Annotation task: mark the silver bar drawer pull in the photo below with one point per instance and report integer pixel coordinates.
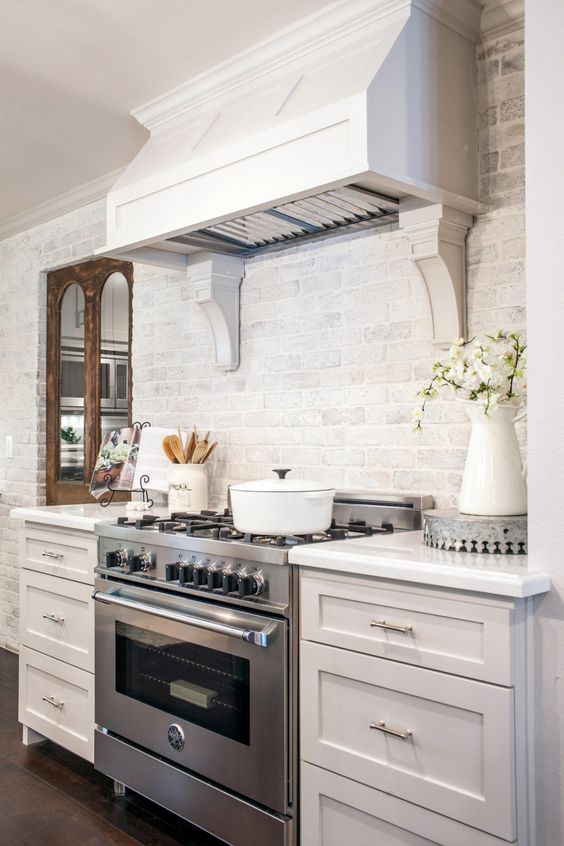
(56, 555)
(381, 726)
(56, 703)
(392, 627)
(54, 618)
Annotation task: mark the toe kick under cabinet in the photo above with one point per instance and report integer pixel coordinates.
(414, 725)
(56, 678)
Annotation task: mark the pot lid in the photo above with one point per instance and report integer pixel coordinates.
(282, 484)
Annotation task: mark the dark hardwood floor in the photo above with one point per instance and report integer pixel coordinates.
(49, 797)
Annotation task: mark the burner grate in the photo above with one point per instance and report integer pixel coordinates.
(219, 526)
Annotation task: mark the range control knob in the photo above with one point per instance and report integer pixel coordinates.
(172, 572)
(185, 574)
(141, 562)
(200, 575)
(215, 577)
(117, 558)
(250, 585)
(229, 582)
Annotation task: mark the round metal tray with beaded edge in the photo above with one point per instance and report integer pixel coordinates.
(455, 532)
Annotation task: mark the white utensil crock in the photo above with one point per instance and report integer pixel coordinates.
(188, 488)
(493, 483)
(282, 506)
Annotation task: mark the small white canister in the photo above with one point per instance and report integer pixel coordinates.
(188, 488)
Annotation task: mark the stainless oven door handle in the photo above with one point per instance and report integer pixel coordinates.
(260, 638)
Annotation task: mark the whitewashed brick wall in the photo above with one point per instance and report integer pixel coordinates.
(24, 260)
(334, 343)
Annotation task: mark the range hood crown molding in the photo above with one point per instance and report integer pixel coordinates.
(310, 35)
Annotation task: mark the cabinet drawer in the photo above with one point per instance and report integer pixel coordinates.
(423, 628)
(72, 555)
(57, 618)
(57, 701)
(337, 811)
(457, 756)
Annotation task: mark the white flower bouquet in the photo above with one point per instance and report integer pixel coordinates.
(489, 370)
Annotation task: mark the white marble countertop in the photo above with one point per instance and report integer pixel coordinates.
(405, 558)
(83, 517)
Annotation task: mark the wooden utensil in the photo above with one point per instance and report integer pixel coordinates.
(168, 451)
(209, 451)
(199, 452)
(177, 448)
(190, 446)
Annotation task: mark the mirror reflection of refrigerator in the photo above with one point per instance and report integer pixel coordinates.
(114, 402)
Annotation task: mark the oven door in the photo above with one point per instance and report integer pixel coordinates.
(202, 685)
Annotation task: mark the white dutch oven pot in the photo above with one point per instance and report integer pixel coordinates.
(282, 506)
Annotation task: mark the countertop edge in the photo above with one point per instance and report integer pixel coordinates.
(65, 521)
(440, 575)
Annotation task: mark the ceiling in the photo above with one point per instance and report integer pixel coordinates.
(72, 70)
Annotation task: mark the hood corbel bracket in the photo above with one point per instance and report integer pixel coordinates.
(217, 279)
(437, 244)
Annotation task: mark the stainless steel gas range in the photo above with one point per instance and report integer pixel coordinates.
(196, 663)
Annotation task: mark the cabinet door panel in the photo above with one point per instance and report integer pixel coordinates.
(57, 701)
(338, 811)
(439, 741)
(426, 629)
(60, 553)
(57, 618)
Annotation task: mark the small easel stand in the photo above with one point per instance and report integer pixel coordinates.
(143, 481)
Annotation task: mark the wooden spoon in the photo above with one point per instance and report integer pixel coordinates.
(177, 448)
(199, 452)
(208, 452)
(168, 451)
(190, 446)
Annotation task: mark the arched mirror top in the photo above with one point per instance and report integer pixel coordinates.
(72, 311)
(115, 313)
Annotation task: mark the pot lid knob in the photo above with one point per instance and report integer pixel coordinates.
(281, 473)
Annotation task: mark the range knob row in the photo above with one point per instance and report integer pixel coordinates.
(200, 574)
(215, 578)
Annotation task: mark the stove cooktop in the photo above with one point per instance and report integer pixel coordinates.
(219, 526)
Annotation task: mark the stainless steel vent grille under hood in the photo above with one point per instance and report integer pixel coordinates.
(299, 220)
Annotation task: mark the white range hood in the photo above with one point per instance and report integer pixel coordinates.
(355, 117)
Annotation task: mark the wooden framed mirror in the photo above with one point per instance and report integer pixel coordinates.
(88, 370)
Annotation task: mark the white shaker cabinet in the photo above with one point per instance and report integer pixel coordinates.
(56, 667)
(415, 727)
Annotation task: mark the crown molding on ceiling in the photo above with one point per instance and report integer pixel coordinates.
(84, 194)
(502, 17)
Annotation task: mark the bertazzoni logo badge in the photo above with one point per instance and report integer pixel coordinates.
(176, 737)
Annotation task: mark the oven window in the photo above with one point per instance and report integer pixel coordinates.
(198, 684)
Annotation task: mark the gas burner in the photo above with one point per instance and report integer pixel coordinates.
(147, 521)
(202, 516)
(339, 531)
(276, 540)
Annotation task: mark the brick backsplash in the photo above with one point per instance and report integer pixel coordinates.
(24, 260)
(334, 343)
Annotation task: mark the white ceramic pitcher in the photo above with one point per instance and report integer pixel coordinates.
(494, 481)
